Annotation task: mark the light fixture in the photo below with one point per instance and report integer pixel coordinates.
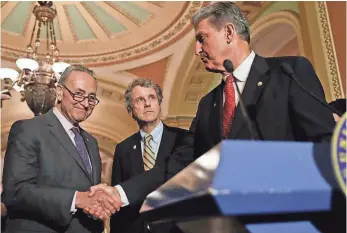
(41, 68)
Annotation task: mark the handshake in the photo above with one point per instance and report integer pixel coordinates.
(101, 201)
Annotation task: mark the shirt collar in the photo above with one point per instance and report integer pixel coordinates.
(242, 71)
(156, 132)
(67, 125)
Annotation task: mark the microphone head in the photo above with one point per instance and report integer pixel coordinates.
(287, 68)
(228, 65)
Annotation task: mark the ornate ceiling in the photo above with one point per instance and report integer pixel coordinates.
(100, 33)
(124, 40)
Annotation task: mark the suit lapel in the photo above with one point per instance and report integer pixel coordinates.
(93, 155)
(63, 138)
(166, 145)
(136, 154)
(254, 86)
(217, 113)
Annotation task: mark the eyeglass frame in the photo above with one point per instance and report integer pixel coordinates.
(84, 97)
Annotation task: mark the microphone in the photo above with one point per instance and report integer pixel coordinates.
(228, 65)
(290, 72)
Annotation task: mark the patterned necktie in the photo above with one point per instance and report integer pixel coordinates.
(229, 105)
(82, 149)
(148, 154)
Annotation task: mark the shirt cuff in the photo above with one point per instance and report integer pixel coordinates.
(123, 196)
(73, 205)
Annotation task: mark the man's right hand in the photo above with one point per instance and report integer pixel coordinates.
(101, 204)
(111, 191)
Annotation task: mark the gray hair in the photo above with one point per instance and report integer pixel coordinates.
(75, 67)
(220, 13)
(143, 83)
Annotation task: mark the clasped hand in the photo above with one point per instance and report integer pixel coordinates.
(101, 201)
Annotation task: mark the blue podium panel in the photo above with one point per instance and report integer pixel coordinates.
(251, 178)
(270, 177)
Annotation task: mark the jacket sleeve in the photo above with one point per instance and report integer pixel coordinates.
(20, 179)
(313, 118)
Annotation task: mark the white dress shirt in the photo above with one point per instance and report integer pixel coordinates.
(67, 125)
(241, 74)
(157, 134)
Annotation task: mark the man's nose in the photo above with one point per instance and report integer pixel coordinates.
(147, 102)
(85, 103)
(197, 48)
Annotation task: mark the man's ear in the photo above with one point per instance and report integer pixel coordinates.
(59, 92)
(229, 32)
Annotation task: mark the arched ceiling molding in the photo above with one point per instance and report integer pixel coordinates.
(172, 71)
(177, 25)
(165, 52)
(274, 39)
(186, 70)
(281, 17)
(191, 83)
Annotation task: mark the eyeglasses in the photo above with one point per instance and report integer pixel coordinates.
(92, 100)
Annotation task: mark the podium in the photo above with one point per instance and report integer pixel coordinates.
(253, 186)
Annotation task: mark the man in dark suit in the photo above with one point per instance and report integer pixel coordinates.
(51, 162)
(279, 109)
(139, 152)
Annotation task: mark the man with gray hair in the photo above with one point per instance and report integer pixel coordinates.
(278, 108)
(141, 151)
(51, 162)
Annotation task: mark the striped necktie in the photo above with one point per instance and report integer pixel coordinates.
(148, 154)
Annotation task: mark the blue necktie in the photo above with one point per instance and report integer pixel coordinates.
(82, 149)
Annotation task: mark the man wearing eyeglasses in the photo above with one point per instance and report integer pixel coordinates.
(51, 163)
(141, 151)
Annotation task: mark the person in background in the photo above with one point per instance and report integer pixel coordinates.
(142, 150)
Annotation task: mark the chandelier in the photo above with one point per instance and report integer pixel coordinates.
(40, 69)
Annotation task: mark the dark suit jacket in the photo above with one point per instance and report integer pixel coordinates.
(128, 163)
(278, 108)
(42, 171)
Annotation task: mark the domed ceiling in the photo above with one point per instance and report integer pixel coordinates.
(99, 33)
